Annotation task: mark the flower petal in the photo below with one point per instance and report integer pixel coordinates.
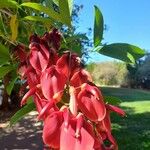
(115, 109)
(73, 101)
(68, 64)
(52, 83)
(51, 130)
(27, 95)
(69, 141)
(80, 77)
(91, 103)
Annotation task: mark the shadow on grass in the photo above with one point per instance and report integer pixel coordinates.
(132, 132)
(27, 134)
(126, 94)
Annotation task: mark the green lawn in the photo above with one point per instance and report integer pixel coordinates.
(132, 132)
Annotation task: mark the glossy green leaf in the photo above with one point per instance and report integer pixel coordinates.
(8, 4)
(122, 51)
(4, 70)
(70, 3)
(2, 27)
(56, 2)
(49, 11)
(76, 48)
(112, 100)
(65, 12)
(14, 27)
(4, 54)
(21, 113)
(39, 19)
(98, 27)
(10, 86)
(49, 3)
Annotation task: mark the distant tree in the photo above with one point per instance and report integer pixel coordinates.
(132, 75)
(143, 72)
(139, 73)
(108, 73)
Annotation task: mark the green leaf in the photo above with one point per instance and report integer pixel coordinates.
(49, 3)
(10, 86)
(8, 4)
(14, 27)
(56, 2)
(65, 12)
(49, 11)
(112, 100)
(5, 69)
(39, 19)
(2, 26)
(4, 54)
(70, 3)
(21, 113)
(76, 48)
(122, 51)
(98, 27)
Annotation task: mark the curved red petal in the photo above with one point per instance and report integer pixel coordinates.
(51, 130)
(91, 105)
(68, 141)
(52, 83)
(27, 95)
(115, 109)
(80, 77)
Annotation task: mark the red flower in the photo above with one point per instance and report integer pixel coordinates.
(22, 69)
(39, 57)
(52, 129)
(53, 38)
(83, 123)
(33, 77)
(73, 101)
(115, 109)
(68, 63)
(104, 127)
(48, 108)
(20, 53)
(90, 102)
(77, 135)
(52, 83)
(53, 57)
(80, 77)
(31, 92)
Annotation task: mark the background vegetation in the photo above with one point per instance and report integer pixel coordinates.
(132, 132)
(108, 73)
(117, 73)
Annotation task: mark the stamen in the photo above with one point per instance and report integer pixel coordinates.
(79, 125)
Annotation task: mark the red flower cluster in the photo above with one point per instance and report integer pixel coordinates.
(72, 108)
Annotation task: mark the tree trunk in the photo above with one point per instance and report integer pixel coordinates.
(5, 103)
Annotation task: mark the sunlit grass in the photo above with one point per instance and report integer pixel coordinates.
(127, 94)
(132, 132)
(137, 106)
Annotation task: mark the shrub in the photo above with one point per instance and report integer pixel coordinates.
(108, 73)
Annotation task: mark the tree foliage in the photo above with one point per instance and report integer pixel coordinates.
(109, 73)
(21, 18)
(139, 74)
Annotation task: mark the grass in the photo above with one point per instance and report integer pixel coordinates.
(132, 132)
(127, 94)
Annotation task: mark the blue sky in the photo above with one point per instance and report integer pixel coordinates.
(128, 21)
